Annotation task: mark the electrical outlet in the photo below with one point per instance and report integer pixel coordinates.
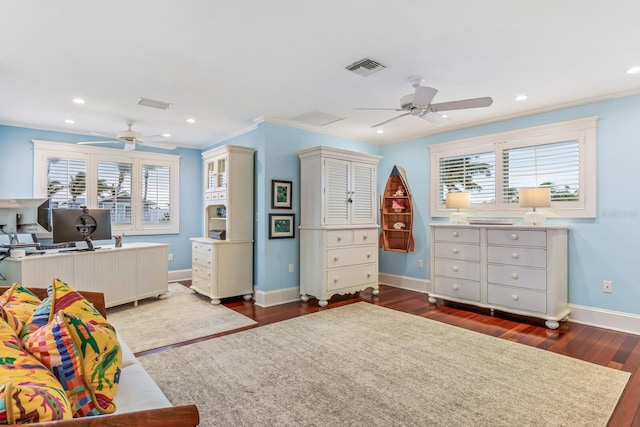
(607, 286)
(419, 263)
(170, 257)
(291, 268)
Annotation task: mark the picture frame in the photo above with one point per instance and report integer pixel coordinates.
(281, 192)
(282, 226)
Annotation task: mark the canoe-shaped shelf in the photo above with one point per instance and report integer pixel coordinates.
(396, 212)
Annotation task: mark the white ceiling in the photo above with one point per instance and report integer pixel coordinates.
(228, 63)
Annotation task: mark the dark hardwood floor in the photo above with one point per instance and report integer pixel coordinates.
(602, 346)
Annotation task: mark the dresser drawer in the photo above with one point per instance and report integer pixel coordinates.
(517, 256)
(341, 257)
(516, 276)
(517, 237)
(339, 238)
(464, 235)
(339, 278)
(457, 269)
(202, 272)
(365, 236)
(457, 251)
(202, 248)
(519, 299)
(465, 289)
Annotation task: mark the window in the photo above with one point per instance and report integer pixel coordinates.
(493, 168)
(140, 188)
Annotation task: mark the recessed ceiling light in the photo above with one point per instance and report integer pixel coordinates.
(522, 97)
(78, 100)
(633, 70)
(380, 131)
(166, 135)
(191, 120)
(69, 121)
(444, 116)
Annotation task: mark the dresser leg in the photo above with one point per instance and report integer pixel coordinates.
(433, 300)
(323, 302)
(215, 301)
(304, 298)
(248, 297)
(552, 324)
(375, 291)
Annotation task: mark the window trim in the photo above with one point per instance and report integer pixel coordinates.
(43, 150)
(583, 130)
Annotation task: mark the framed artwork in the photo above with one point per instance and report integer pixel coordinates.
(281, 194)
(282, 226)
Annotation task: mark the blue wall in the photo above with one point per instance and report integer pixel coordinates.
(606, 247)
(16, 181)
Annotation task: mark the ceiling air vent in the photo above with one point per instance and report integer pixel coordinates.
(365, 66)
(146, 102)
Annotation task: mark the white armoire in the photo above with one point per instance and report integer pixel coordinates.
(338, 228)
(222, 260)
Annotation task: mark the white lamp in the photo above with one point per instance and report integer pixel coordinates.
(458, 200)
(538, 197)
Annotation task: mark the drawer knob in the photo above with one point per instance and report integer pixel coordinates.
(515, 276)
(195, 258)
(456, 287)
(455, 268)
(455, 250)
(514, 236)
(455, 234)
(368, 255)
(515, 297)
(339, 238)
(209, 249)
(515, 255)
(335, 258)
(364, 237)
(368, 274)
(335, 280)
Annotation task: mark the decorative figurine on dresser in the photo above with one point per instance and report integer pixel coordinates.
(228, 226)
(338, 228)
(516, 269)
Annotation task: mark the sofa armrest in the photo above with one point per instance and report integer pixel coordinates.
(183, 416)
(95, 298)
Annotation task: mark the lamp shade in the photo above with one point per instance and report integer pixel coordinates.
(538, 197)
(458, 200)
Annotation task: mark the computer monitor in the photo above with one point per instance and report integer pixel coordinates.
(74, 225)
(24, 216)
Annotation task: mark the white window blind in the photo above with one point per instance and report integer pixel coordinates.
(472, 173)
(66, 182)
(554, 165)
(156, 194)
(114, 190)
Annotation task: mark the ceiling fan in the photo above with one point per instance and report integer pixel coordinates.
(419, 104)
(131, 138)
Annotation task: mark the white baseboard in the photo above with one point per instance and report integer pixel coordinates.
(608, 319)
(175, 275)
(277, 297)
(409, 283)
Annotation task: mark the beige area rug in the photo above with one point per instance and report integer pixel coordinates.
(181, 316)
(364, 365)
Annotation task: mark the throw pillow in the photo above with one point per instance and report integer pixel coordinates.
(85, 357)
(20, 301)
(29, 392)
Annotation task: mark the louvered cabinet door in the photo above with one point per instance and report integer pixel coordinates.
(337, 192)
(363, 193)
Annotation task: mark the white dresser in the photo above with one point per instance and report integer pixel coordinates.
(338, 229)
(516, 269)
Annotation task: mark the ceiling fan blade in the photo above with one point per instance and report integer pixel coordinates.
(424, 95)
(158, 144)
(98, 142)
(434, 118)
(461, 104)
(391, 119)
(385, 109)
